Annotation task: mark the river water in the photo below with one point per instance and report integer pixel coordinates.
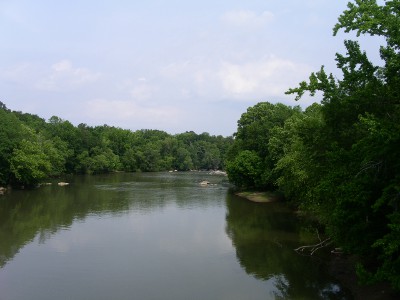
(154, 236)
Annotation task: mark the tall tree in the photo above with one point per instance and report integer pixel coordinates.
(359, 191)
(29, 163)
(11, 132)
(254, 133)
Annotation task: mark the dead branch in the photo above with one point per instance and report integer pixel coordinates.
(311, 249)
(370, 165)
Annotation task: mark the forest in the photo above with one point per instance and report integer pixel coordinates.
(33, 149)
(338, 160)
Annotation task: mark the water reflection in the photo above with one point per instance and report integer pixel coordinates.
(42, 212)
(158, 236)
(264, 236)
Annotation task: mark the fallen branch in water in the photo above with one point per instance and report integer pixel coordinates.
(310, 249)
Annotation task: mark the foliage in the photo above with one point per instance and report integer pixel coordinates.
(10, 134)
(302, 143)
(33, 149)
(29, 163)
(245, 170)
(339, 160)
(255, 135)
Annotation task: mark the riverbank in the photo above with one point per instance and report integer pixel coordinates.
(341, 267)
(261, 197)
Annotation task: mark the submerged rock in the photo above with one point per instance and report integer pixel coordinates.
(218, 172)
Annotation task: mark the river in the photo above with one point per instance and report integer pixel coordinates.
(154, 236)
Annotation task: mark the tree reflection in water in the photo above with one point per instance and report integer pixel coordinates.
(265, 236)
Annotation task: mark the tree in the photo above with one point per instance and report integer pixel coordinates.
(299, 151)
(3, 106)
(245, 170)
(205, 155)
(29, 163)
(183, 161)
(358, 193)
(11, 133)
(85, 149)
(255, 131)
(255, 125)
(57, 153)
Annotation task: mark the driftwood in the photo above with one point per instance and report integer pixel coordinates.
(311, 249)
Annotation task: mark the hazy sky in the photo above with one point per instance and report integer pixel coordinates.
(173, 65)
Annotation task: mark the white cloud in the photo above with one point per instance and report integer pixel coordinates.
(190, 78)
(176, 69)
(139, 89)
(247, 18)
(64, 76)
(264, 78)
(244, 81)
(19, 73)
(119, 112)
(142, 92)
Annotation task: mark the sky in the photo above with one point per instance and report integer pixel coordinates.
(173, 65)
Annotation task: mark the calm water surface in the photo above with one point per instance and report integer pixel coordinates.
(153, 236)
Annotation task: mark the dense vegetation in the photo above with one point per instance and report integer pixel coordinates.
(339, 159)
(32, 149)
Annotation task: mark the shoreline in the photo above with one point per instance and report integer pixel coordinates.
(341, 267)
(260, 197)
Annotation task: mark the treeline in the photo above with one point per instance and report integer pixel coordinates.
(338, 160)
(32, 149)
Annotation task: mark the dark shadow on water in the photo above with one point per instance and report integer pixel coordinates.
(265, 236)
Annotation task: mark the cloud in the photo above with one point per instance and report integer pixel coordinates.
(142, 92)
(176, 69)
(64, 76)
(189, 79)
(259, 79)
(240, 81)
(247, 19)
(20, 73)
(122, 112)
(60, 76)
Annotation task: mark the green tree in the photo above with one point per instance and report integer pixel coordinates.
(256, 128)
(245, 170)
(299, 151)
(358, 193)
(128, 161)
(57, 152)
(29, 163)
(205, 155)
(32, 121)
(11, 132)
(183, 161)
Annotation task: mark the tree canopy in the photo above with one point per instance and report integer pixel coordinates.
(33, 149)
(339, 159)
